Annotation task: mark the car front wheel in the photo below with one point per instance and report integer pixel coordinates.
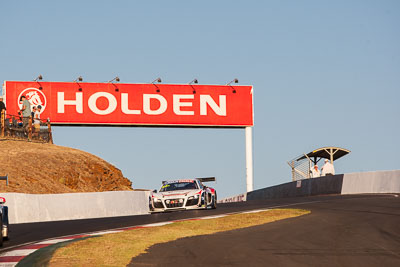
(214, 202)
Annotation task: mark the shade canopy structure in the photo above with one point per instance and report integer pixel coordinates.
(301, 165)
(330, 152)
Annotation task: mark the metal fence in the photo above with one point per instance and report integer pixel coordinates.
(300, 168)
(12, 128)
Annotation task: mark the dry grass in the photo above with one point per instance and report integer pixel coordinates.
(41, 168)
(118, 249)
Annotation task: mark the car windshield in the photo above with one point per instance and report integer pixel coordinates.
(178, 186)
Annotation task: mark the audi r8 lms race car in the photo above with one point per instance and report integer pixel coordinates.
(183, 195)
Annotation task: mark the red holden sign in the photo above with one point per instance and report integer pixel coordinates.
(71, 103)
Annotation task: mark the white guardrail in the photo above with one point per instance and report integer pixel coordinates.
(26, 208)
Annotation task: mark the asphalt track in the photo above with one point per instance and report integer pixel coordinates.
(361, 230)
(341, 231)
(30, 232)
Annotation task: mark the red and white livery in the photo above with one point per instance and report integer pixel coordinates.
(183, 195)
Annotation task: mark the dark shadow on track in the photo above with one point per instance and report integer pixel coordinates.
(340, 231)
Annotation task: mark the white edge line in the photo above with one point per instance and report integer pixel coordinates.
(18, 252)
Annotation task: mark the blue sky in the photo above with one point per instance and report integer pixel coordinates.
(325, 73)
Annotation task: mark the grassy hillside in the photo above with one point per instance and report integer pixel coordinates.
(45, 168)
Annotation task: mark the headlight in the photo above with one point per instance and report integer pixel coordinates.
(156, 199)
(193, 197)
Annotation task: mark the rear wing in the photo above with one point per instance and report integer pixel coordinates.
(203, 180)
(206, 179)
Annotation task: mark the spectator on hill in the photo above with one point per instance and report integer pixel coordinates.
(36, 120)
(26, 111)
(39, 110)
(328, 168)
(315, 172)
(2, 105)
(33, 113)
(18, 120)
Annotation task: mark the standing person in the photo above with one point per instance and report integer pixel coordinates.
(315, 172)
(26, 111)
(328, 168)
(36, 120)
(33, 113)
(2, 105)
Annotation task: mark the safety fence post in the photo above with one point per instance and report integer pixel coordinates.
(4, 178)
(2, 123)
(49, 130)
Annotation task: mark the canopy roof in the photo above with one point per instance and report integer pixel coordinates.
(330, 152)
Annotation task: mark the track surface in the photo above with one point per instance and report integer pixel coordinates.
(341, 231)
(30, 232)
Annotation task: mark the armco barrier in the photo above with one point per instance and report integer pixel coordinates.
(24, 208)
(371, 182)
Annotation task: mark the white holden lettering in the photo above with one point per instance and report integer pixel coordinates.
(125, 107)
(112, 103)
(177, 104)
(61, 102)
(208, 100)
(146, 104)
(153, 104)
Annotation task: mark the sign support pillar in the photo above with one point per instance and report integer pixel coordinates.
(249, 158)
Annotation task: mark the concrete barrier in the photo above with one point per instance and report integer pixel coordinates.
(351, 183)
(371, 182)
(307, 187)
(24, 208)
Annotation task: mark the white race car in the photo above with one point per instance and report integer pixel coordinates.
(183, 195)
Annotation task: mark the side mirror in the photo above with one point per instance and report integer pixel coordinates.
(155, 191)
(2, 200)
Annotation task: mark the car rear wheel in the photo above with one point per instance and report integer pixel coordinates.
(205, 200)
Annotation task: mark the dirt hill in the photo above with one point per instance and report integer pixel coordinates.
(45, 168)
